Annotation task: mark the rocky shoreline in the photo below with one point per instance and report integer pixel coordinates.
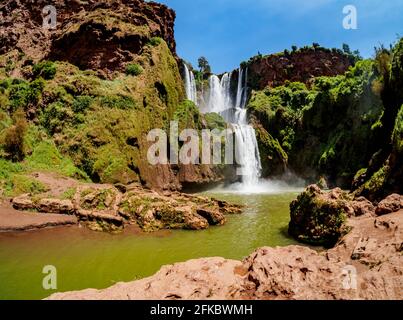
(109, 208)
(365, 263)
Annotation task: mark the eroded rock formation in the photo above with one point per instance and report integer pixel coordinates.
(105, 208)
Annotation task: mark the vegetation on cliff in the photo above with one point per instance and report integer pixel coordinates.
(333, 126)
(90, 107)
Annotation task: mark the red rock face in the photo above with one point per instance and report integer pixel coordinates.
(301, 66)
(92, 34)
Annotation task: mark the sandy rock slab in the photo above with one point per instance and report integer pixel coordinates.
(13, 220)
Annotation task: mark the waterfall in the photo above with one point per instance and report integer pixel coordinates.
(190, 85)
(233, 110)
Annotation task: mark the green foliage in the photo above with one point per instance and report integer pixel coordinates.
(55, 116)
(397, 136)
(23, 94)
(155, 41)
(8, 168)
(68, 194)
(13, 137)
(81, 104)
(188, 116)
(44, 69)
(119, 102)
(215, 121)
(134, 69)
(327, 128)
(204, 65)
(110, 165)
(21, 184)
(46, 157)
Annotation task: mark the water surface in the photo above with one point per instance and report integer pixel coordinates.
(86, 259)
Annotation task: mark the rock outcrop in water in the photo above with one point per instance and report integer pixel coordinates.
(107, 208)
(365, 264)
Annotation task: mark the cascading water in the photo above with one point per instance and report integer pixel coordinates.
(233, 111)
(190, 85)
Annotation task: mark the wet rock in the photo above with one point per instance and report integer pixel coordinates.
(213, 216)
(392, 203)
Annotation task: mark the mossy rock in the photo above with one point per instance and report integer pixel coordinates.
(317, 217)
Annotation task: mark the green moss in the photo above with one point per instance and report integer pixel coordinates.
(188, 116)
(315, 220)
(68, 194)
(155, 41)
(119, 102)
(20, 184)
(215, 121)
(46, 157)
(397, 136)
(134, 69)
(44, 69)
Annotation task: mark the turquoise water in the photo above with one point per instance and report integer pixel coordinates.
(86, 259)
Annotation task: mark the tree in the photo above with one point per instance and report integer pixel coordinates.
(204, 65)
(346, 48)
(294, 48)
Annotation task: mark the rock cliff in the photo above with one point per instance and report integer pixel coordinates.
(93, 87)
(297, 66)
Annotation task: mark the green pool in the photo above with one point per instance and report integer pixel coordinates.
(86, 259)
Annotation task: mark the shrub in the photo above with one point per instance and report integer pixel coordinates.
(24, 94)
(14, 137)
(54, 116)
(44, 69)
(81, 103)
(133, 69)
(155, 41)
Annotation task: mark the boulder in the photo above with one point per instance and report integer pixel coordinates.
(318, 217)
(362, 207)
(213, 216)
(392, 203)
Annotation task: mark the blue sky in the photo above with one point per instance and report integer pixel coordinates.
(228, 32)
